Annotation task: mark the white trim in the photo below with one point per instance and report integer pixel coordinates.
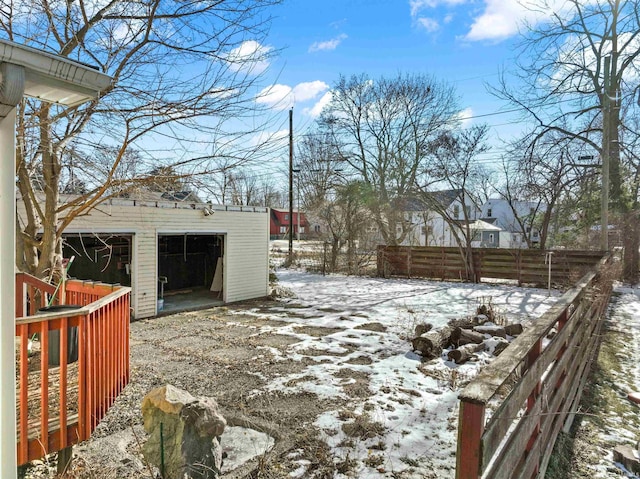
(191, 232)
(8, 451)
(53, 78)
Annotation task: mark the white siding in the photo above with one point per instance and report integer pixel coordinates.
(246, 248)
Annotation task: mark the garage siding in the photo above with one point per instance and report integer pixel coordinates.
(246, 253)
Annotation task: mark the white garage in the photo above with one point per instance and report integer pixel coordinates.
(172, 248)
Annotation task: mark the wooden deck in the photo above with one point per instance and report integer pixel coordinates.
(54, 390)
(59, 406)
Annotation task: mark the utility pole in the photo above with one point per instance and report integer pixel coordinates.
(290, 184)
(298, 203)
(606, 140)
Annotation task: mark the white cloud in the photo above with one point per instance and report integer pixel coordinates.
(429, 24)
(574, 52)
(308, 90)
(249, 57)
(283, 97)
(278, 97)
(315, 111)
(327, 45)
(465, 117)
(418, 5)
(502, 18)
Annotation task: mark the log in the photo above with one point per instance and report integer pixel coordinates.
(501, 346)
(431, 344)
(464, 323)
(513, 329)
(493, 330)
(422, 328)
(461, 336)
(466, 352)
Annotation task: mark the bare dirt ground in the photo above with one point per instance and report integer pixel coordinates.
(223, 355)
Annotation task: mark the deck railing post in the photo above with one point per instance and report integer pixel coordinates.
(533, 398)
(470, 429)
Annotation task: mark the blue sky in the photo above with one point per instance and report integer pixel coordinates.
(464, 42)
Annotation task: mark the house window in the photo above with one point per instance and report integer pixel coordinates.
(532, 211)
(535, 234)
(489, 213)
(283, 229)
(286, 217)
(316, 228)
(427, 230)
(456, 211)
(491, 238)
(302, 229)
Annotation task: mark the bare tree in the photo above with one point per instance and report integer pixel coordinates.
(382, 130)
(578, 71)
(545, 169)
(184, 74)
(455, 165)
(579, 78)
(332, 196)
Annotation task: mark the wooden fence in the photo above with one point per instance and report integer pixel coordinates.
(60, 405)
(512, 413)
(522, 265)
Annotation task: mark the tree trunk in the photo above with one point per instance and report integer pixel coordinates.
(50, 260)
(461, 336)
(431, 344)
(335, 249)
(466, 352)
(492, 330)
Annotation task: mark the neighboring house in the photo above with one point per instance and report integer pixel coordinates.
(280, 224)
(430, 227)
(485, 235)
(498, 212)
(137, 242)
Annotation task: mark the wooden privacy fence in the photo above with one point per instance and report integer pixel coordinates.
(64, 392)
(522, 265)
(512, 413)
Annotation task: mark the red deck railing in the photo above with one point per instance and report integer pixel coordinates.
(511, 414)
(60, 405)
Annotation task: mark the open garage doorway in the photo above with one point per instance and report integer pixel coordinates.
(100, 257)
(190, 267)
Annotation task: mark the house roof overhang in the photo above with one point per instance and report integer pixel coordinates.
(26, 71)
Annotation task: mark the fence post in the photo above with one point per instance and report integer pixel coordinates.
(470, 429)
(532, 357)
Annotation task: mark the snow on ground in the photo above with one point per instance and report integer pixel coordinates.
(620, 354)
(402, 419)
(625, 315)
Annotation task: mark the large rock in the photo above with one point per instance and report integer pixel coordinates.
(191, 428)
(628, 457)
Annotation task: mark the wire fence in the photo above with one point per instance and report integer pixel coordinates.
(320, 257)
